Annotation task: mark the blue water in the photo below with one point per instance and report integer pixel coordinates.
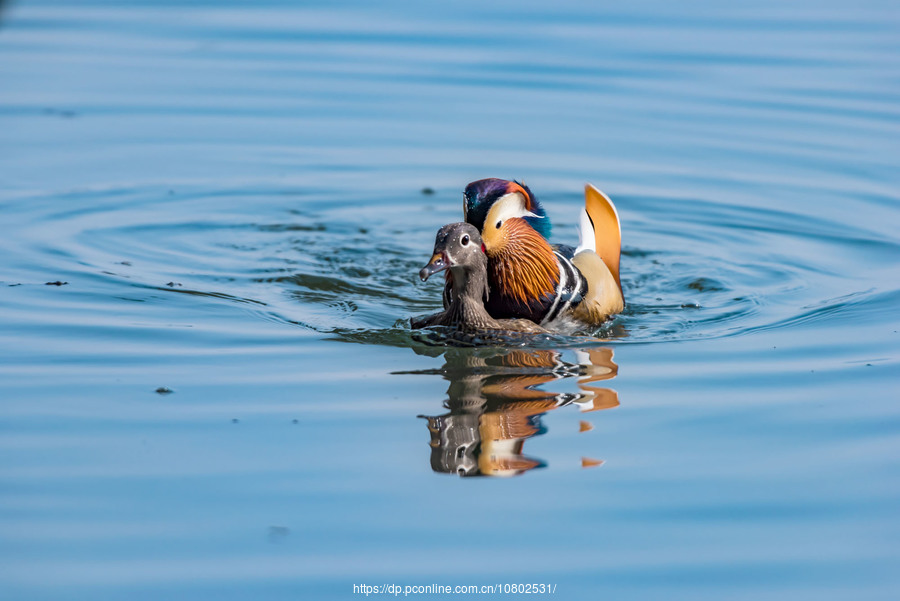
(230, 197)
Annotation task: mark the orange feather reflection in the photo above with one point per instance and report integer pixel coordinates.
(497, 399)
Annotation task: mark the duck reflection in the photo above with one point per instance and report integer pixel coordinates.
(496, 402)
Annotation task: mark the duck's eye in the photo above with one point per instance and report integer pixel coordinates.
(464, 240)
(499, 223)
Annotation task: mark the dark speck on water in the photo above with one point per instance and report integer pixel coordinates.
(64, 113)
(56, 283)
(751, 152)
(278, 534)
(705, 285)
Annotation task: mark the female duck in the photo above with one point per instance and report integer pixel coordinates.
(458, 248)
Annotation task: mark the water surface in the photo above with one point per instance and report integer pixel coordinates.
(213, 220)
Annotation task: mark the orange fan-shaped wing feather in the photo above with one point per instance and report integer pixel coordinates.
(607, 232)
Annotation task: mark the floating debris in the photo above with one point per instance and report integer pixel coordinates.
(163, 390)
(706, 285)
(56, 283)
(64, 113)
(278, 534)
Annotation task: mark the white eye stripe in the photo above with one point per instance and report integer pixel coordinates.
(508, 206)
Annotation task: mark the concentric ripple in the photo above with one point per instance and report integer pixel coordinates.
(343, 265)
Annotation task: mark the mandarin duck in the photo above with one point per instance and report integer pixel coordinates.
(532, 279)
(458, 248)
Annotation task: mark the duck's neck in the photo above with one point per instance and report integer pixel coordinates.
(523, 265)
(466, 308)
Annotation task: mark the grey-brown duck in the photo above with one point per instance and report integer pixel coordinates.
(458, 247)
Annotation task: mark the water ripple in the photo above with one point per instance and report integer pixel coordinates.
(346, 266)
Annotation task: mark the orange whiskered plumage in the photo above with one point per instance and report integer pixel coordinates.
(521, 261)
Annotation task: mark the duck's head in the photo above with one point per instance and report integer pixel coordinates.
(492, 200)
(457, 247)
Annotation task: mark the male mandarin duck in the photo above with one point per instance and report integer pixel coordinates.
(458, 248)
(529, 278)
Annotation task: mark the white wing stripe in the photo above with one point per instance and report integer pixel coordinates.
(562, 282)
